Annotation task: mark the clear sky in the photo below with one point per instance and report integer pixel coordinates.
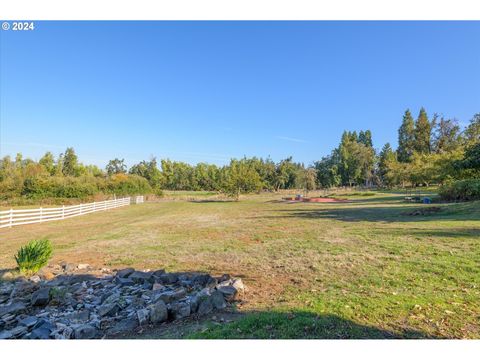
(209, 91)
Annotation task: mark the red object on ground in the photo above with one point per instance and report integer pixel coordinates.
(326, 200)
(317, 199)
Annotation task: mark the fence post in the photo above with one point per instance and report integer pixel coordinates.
(41, 214)
(81, 209)
(63, 212)
(11, 217)
(94, 206)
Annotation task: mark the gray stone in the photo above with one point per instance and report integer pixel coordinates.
(229, 292)
(205, 305)
(194, 302)
(14, 308)
(110, 298)
(140, 276)
(19, 331)
(158, 312)
(41, 297)
(238, 284)
(170, 295)
(179, 310)
(125, 325)
(79, 316)
(83, 266)
(86, 332)
(142, 316)
(109, 309)
(159, 272)
(122, 281)
(29, 321)
(125, 272)
(42, 330)
(168, 278)
(218, 301)
(6, 289)
(5, 334)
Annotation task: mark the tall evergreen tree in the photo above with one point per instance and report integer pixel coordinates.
(70, 162)
(365, 137)
(406, 138)
(423, 133)
(387, 156)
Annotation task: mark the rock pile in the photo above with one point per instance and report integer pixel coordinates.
(70, 305)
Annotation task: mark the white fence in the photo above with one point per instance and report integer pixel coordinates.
(9, 218)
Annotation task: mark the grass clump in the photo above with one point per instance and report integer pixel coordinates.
(33, 256)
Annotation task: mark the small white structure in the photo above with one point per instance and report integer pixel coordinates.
(137, 199)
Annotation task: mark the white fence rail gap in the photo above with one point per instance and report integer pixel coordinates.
(9, 218)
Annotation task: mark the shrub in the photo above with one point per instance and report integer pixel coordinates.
(123, 184)
(462, 190)
(33, 256)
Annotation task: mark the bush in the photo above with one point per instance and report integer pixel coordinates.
(463, 190)
(33, 256)
(123, 184)
(59, 187)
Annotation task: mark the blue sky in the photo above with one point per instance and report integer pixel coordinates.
(209, 91)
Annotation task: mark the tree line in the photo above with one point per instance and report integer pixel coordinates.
(430, 151)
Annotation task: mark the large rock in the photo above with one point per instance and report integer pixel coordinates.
(204, 280)
(29, 321)
(179, 310)
(140, 276)
(229, 292)
(218, 301)
(205, 305)
(19, 331)
(168, 278)
(123, 326)
(42, 330)
(170, 295)
(86, 332)
(79, 316)
(143, 316)
(14, 308)
(158, 312)
(109, 309)
(41, 297)
(6, 334)
(238, 284)
(123, 281)
(125, 272)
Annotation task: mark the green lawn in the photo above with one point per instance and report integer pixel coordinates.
(364, 269)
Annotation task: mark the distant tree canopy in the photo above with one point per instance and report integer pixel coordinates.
(429, 152)
(116, 166)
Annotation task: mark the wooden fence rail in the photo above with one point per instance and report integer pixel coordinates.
(9, 218)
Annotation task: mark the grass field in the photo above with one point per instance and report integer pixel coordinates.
(364, 269)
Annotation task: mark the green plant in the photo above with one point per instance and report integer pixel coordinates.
(462, 190)
(33, 256)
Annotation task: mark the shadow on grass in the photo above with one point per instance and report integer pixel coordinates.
(378, 213)
(300, 325)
